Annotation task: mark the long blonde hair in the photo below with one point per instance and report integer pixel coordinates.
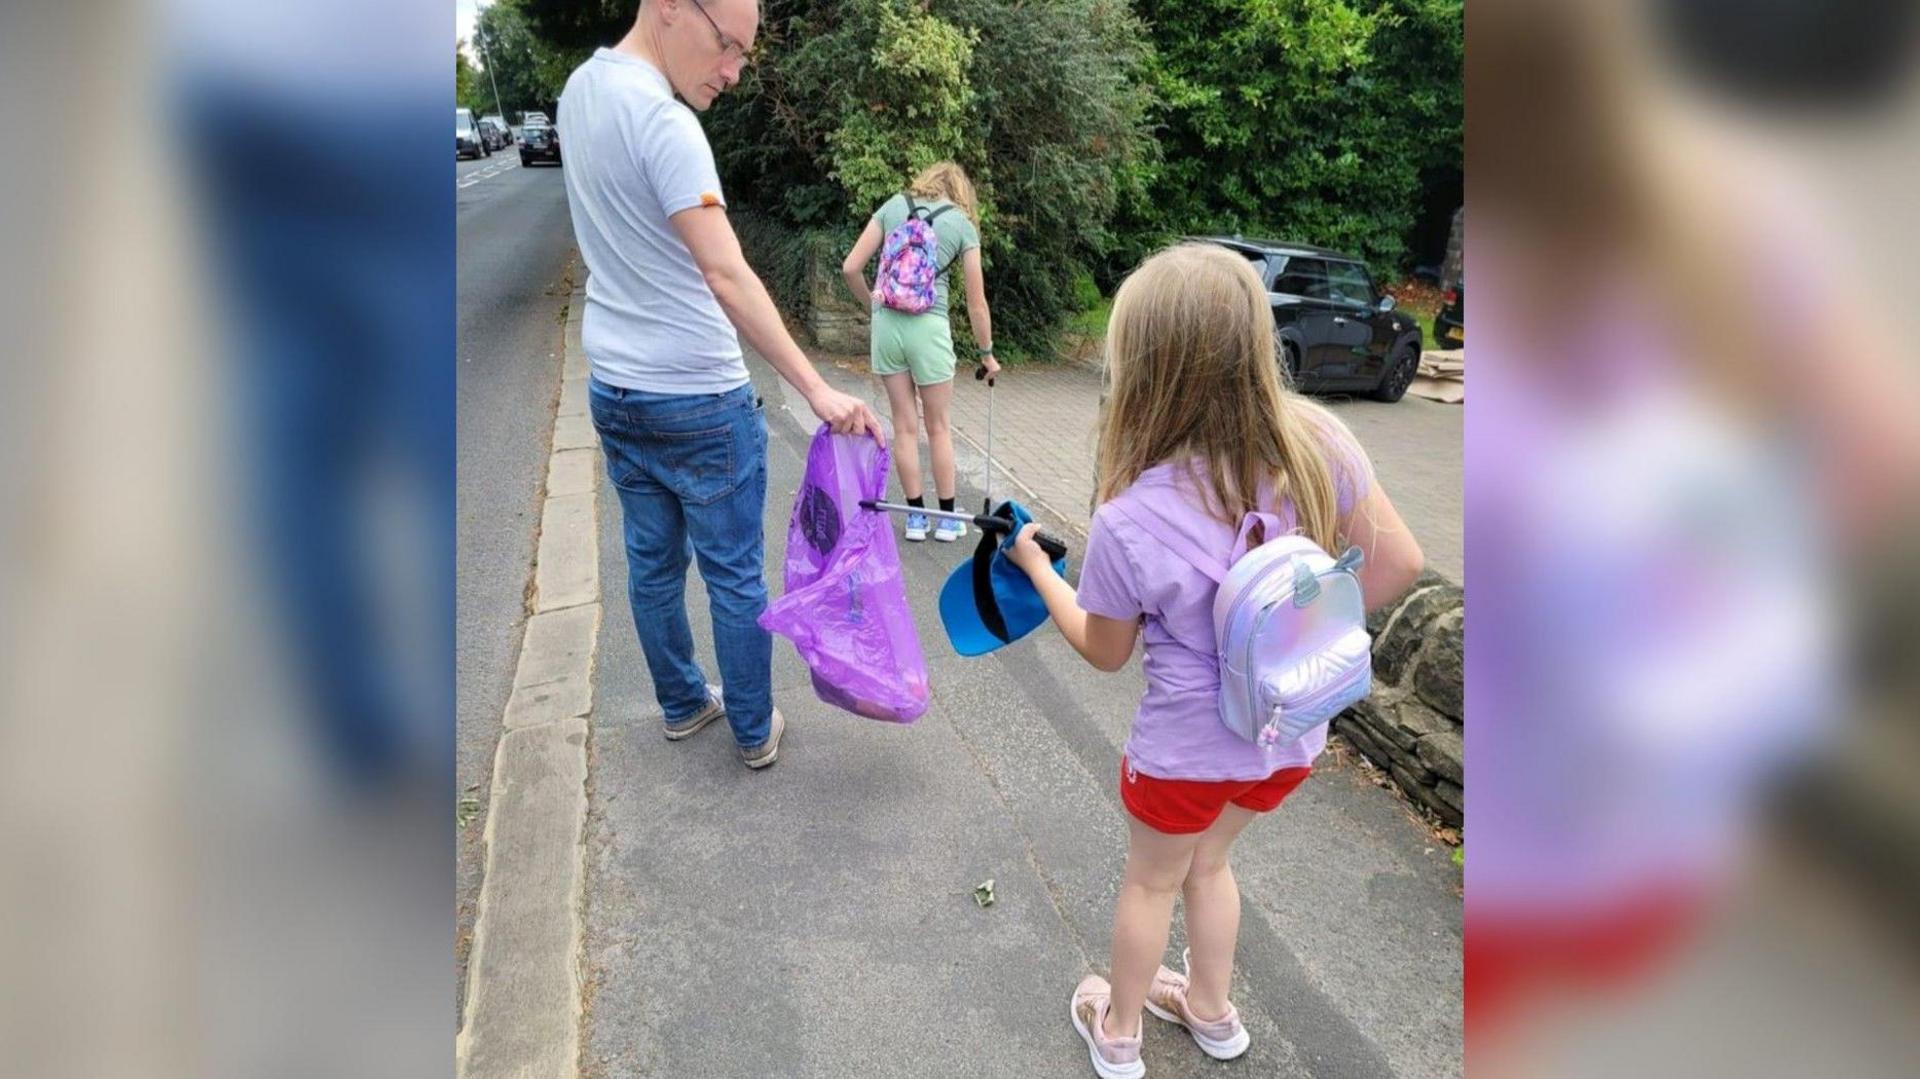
(1624, 184)
(1191, 360)
(946, 180)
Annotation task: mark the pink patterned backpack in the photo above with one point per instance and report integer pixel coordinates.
(907, 272)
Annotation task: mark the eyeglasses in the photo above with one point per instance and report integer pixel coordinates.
(728, 46)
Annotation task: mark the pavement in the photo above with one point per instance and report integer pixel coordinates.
(818, 919)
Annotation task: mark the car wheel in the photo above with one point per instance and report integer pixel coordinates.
(524, 163)
(1399, 376)
(1290, 363)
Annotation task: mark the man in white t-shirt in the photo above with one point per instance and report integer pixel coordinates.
(668, 297)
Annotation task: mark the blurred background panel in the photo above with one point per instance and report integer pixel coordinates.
(226, 410)
(1692, 465)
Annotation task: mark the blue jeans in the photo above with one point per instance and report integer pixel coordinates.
(341, 381)
(692, 477)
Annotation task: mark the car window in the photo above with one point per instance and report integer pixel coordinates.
(1348, 283)
(1303, 277)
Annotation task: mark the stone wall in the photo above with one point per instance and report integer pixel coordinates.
(1456, 258)
(1412, 724)
(837, 323)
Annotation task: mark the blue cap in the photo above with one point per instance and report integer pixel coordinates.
(988, 601)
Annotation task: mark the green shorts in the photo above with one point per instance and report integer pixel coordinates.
(922, 344)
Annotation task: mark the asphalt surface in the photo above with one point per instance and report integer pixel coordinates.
(817, 919)
(515, 240)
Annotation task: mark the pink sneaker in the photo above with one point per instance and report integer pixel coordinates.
(1222, 1039)
(1113, 1058)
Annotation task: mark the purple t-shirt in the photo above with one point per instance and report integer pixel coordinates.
(1128, 572)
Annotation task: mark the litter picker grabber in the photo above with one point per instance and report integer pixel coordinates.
(985, 521)
(986, 485)
(998, 525)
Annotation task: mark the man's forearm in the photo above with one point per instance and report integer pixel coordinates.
(751, 310)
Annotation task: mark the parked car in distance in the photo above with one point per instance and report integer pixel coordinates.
(1450, 325)
(1334, 329)
(493, 136)
(467, 140)
(539, 142)
(500, 122)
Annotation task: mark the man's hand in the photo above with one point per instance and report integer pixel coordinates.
(845, 413)
(992, 365)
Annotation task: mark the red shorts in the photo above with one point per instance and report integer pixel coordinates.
(1509, 961)
(1186, 806)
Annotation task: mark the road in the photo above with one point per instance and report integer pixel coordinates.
(515, 241)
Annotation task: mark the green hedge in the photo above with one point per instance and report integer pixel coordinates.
(1095, 130)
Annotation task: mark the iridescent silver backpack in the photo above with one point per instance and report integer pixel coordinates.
(1289, 627)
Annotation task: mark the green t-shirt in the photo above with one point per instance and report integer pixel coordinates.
(956, 233)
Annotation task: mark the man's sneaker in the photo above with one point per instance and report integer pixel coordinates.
(716, 707)
(916, 526)
(1113, 1058)
(767, 752)
(1222, 1039)
(948, 530)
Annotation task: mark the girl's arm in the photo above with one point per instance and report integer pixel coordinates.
(1104, 642)
(854, 269)
(1394, 557)
(978, 316)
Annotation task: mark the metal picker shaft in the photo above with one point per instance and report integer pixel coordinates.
(979, 373)
(1051, 544)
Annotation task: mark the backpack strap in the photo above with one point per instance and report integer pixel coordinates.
(913, 210)
(1256, 528)
(929, 220)
(1186, 549)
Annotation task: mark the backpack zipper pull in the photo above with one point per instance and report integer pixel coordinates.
(1270, 733)
(1306, 586)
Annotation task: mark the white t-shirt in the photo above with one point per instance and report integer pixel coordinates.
(634, 157)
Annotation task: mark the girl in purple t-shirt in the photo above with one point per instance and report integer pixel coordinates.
(1199, 432)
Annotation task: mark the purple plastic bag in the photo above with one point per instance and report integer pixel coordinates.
(845, 607)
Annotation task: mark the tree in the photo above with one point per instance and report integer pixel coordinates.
(1042, 104)
(466, 81)
(1315, 120)
(577, 27)
(1095, 130)
(529, 71)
